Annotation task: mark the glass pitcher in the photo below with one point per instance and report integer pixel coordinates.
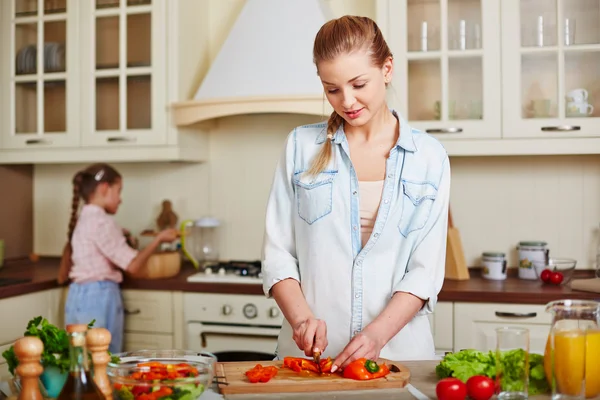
(572, 355)
(199, 241)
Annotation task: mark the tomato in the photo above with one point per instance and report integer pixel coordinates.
(451, 389)
(545, 275)
(556, 278)
(480, 387)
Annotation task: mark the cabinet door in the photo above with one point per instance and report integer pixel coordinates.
(124, 74)
(551, 59)
(475, 324)
(447, 58)
(148, 311)
(40, 74)
(146, 341)
(442, 327)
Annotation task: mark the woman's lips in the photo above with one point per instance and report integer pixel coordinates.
(354, 114)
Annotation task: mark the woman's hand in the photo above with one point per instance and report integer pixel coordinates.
(310, 336)
(364, 345)
(168, 235)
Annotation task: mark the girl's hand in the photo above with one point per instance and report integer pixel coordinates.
(168, 235)
(311, 335)
(364, 345)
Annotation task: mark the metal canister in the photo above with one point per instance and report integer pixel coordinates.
(494, 266)
(529, 252)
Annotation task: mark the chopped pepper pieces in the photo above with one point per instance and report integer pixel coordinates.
(363, 369)
(258, 373)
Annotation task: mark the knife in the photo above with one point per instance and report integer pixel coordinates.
(317, 360)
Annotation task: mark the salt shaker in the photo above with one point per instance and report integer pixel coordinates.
(98, 340)
(29, 351)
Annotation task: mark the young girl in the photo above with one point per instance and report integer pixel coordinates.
(356, 221)
(96, 251)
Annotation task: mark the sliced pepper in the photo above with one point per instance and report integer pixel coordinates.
(258, 373)
(361, 370)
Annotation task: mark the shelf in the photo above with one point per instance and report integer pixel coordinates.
(537, 50)
(116, 66)
(47, 11)
(465, 53)
(521, 147)
(423, 55)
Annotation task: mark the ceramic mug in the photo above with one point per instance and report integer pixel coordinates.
(579, 108)
(541, 108)
(578, 95)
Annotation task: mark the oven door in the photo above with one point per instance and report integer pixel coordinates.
(233, 342)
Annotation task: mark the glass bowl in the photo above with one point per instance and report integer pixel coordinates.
(566, 266)
(177, 373)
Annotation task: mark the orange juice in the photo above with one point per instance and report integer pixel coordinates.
(571, 348)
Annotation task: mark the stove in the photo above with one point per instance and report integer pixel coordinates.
(243, 272)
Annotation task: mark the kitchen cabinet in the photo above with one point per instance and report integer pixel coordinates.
(498, 78)
(87, 81)
(475, 324)
(442, 323)
(29, 306)
(153, 319)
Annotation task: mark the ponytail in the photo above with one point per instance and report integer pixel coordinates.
(324, 156)
(66, 261)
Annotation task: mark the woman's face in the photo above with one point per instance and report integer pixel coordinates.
(355, 88)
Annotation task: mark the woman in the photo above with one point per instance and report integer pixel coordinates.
(356, 223)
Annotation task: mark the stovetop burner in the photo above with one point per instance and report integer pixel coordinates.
(248, 272)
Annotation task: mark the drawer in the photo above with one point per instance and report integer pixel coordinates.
(504, 313)
(148, 311)
(442, 326)
(19, 310)
(147, 341)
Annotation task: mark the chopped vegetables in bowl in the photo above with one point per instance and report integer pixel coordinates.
(161, 375)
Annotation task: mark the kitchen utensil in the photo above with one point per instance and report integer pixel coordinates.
(494, 266)
(528, 253)
(317, 359)
(161, 265)
(199, 241)
(507, 339)
(456, 265)
(573, 349)
(232, 379)
(586, 285)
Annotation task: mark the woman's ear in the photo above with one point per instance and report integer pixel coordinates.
(388, 69)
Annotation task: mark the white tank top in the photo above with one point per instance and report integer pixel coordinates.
(370, 197)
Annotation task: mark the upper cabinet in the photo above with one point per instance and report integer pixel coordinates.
(447, 58)
(86, 80)
(551, 68)
(500, 76)
(40, 74)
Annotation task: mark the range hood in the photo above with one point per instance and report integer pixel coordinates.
(264, 66)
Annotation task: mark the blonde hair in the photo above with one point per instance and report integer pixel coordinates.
(342, 36)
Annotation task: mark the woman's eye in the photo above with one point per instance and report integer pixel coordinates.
(332, 90)
(359, 86)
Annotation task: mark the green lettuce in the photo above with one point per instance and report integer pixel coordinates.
(467, 363)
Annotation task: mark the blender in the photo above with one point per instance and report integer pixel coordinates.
(199, 241)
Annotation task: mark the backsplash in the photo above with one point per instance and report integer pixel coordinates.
(496, 201)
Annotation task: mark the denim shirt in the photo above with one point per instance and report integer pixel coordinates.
(312, 235)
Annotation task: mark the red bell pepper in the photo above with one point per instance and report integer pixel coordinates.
(258, 373)
(363, 369)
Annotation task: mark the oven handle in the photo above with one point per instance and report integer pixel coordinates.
(206, 333)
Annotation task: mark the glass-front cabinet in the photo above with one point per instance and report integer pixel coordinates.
(447, 59)
(125, 74)
(39, 73)
(551, 64)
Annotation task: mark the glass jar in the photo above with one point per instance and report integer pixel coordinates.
(494, 266)
(528, 253)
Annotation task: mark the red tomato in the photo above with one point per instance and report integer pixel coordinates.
(556, 278)
(545, 276)
(480, 387)
(451, 389)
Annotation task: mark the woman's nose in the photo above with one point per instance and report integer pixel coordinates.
(348, 101)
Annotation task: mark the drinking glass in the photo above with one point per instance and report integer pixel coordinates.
(512, 342)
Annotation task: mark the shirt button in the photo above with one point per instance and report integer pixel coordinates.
(356, 332)
(390, 175)
(357, 295)
(377, 235)
(355, 227)
(354, 193)
(386, 201)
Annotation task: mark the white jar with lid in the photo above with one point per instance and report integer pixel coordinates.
(529, 252)
(494, 266)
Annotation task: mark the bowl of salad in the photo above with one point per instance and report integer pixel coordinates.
(161, 374)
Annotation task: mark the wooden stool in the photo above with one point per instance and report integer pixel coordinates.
(29, 351)
(98, 340)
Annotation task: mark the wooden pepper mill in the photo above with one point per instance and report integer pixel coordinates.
(167, 217)
(29, 351)
(98, 340)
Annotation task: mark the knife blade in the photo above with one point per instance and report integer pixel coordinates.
(317, 360)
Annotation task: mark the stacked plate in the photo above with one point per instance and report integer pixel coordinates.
(54, 58)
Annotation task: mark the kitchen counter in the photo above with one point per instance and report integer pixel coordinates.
(41, 275)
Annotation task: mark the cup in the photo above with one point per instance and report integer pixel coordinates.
(513, 382)
(578, 95)
(579, 109)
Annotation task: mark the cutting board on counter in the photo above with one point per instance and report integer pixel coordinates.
(232, 379)
(587, 285)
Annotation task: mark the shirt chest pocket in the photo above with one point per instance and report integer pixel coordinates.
(314, 195)
(418, 198)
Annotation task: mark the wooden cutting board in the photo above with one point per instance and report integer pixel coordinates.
(456, 264)
(586, 285)
(232, 379)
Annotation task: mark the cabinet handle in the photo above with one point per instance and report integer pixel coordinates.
(120, 139)
(561, 128)
(515, 315)
(132, 312)
(444, 130)
(38, 141)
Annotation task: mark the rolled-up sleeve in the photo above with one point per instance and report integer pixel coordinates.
(427, 264)
(279, 260)
(112, 244)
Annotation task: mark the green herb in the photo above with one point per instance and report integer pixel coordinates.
(467, 363)
(56, 345)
